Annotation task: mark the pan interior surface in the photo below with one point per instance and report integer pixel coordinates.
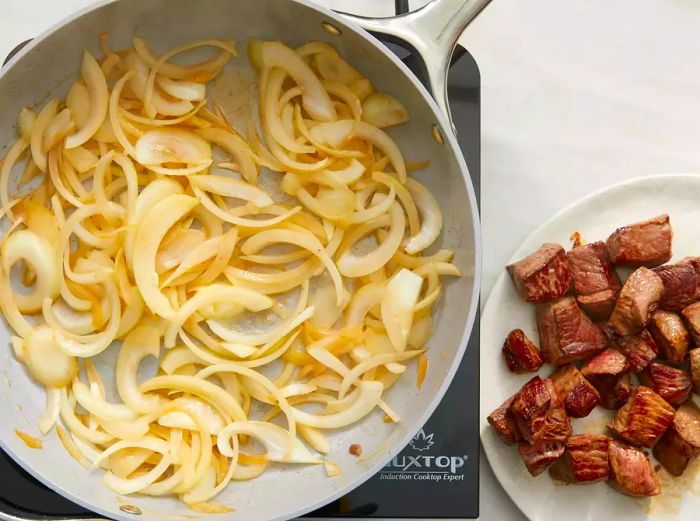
(48, 67)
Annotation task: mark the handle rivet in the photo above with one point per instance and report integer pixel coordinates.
(131, 509)
(437, 135)
(331, 29)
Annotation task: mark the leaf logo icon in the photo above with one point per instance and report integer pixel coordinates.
(421, 441)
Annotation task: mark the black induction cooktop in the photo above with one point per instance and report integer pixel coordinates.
(437, 474)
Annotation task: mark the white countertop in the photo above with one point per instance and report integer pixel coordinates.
(576, 95)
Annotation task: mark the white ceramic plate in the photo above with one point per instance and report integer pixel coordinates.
(595, 217)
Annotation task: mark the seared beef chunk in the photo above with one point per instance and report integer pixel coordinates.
(541, 455)
(681, 442)
(630, 470)
(644, 418)
(607, 372)
(695, 369)
(673, 385)
(670, 335)
(596, 283)
(680, 286)
(504, 424)
(642, 289)
(695, 263)
(691, 314)
(639, 349)
(566, 333)
(578, 395)
(539, 412)
(521, 355)
(599, 305)
(542, 276)
(647, 243)
(585, 460)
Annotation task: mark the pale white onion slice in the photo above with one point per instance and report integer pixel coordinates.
(57, 129)
(178, 357)
(80, 158)
(230, 187)
(398, 304)
(154, 226)
(346, 94)
(431, 218)
(130, 485)
(231, 217)
(300, 238)
(194, 259)
(213, 294)
(99, 407)
(140, 343)
(90, 345)
(199, 387)
(172, 145)
(37, 139)
(76, 426)
(270, 110)
(332, 67)
(368, 397)
(36, 251)
(52, 410)
(316, 100)
(274, 438)
(315, 438)
(45, 362)
(352, 265)
(183, 89)
(383, 142)
(181, 420)
(236, 147)
(99, 100)
(383, 110)
(334, 133)
(6, 170)
(172, 70)
(152, 194)
(353, 376)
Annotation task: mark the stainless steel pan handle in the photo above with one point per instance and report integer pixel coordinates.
(432, 32)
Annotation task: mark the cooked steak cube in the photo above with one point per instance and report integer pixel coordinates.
(566, 333)
(584, 461)
(673, 385)
(681, 442)
(504, 424)
(639, 349)
(644, 418)
(641, 290)
(630, 470)
(695, 263)
(539, 413)
(578, 395)
(670, 335)
(691, 314)
(695, 369)
(680, 286)
(596, 283)
(607, 372)
(598, 306)
(521, 355)
(647, 243)
(541, 455)
(542, 276)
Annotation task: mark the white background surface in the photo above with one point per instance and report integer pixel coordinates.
(576, 95)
